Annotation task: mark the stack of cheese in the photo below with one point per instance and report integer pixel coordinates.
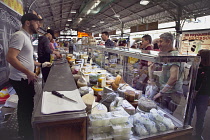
(121, 127)
(119, 104)
(100, 127)
(129, 93)
(91, 41)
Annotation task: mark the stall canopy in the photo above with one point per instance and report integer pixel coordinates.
(99, 15)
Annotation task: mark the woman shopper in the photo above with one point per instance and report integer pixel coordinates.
(201, 100)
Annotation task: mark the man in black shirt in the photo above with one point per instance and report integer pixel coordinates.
(108, 42)
(44, 52)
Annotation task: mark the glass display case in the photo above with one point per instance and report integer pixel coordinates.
(166, 79)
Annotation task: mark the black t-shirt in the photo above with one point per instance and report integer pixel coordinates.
(203, 80)
(44, 49)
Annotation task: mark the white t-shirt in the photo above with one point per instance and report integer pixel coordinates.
(21, 41)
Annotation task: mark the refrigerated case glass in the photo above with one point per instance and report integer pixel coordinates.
(149, 71)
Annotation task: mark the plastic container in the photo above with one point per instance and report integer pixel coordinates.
(117, 117)
(125, 136)
(100, 129)
(105, 136)
(99, 119)
(122, 129)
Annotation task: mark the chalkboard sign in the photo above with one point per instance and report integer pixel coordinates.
(9, 23)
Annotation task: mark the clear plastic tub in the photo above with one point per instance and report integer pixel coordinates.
(100, 129)
(105, 136)
(122, 137)
(122, 129)
(99, 119)
(118, 117)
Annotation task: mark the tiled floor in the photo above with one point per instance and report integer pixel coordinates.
(9, 129)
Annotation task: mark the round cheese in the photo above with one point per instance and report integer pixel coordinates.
(146, 104)
(98, 108)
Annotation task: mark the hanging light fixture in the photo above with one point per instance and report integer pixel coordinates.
(144, 2)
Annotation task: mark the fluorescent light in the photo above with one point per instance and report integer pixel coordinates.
(144, 2)
(93, 26)
(88, 12)
(48, 27)
(67, 24)
(80, 19)
(102, 21)
(117, 15)
(96, 3)
(70, 19)
(73, 11)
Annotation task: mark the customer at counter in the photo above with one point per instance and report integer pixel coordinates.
(171, 78)
(146, 42)
(44, 53)
(108, 42)
(202, 87)
(22, 77)
(145, 47)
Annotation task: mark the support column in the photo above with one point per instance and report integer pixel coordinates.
(178, 26)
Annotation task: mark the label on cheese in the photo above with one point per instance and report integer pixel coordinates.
(100, 107)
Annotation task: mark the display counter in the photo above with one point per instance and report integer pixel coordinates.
(136, 68)
(59, 126)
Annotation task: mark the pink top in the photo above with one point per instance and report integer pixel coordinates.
(52, 46)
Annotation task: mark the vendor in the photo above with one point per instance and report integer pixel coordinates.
(44, 52)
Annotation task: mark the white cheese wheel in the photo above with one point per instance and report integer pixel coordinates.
(98, 108)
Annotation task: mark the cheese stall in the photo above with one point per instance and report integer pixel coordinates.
(115, 108)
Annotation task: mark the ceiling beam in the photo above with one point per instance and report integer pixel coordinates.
(61, 11)
(51, 11)
(70, 7)
(53, 4)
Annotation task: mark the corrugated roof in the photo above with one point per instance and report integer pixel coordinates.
(57, 12)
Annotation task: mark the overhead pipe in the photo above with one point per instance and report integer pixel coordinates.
(29, 8)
